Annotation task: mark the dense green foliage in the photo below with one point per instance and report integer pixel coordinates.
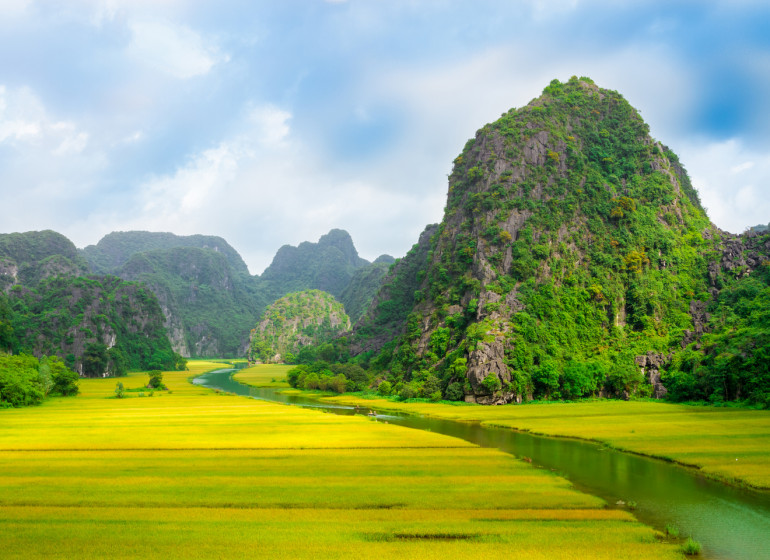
(210, 305)
(116, 249)
(297, 321)
(338, 378)
(399, 291)
(571, 244)
(30, 257)
(363, 286)
(76, 318)
(734, 361)
(25, 380)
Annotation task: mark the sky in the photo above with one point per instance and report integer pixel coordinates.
(271, 122)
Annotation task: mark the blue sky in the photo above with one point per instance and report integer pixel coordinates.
(271, 122)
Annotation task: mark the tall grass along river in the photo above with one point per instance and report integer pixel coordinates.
(730, 522)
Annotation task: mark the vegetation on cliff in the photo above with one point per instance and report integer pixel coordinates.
(98, 325)
(363, 286)
(295, 322)
(574, 259)
(27, 258)
(209, 306)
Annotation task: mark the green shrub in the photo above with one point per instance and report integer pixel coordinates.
(691, 547)
(491, 383)
(156, 379)
(454, 392)
(672, 531)
(385, 388)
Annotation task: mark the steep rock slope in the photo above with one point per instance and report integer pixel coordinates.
(297, 320)
(573, 251)
(209, 300)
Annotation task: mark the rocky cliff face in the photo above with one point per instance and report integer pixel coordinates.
(573, 255)
(52, 308)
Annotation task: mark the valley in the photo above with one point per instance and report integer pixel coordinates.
(574, 288)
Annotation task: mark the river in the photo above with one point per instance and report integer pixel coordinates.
(731, 523)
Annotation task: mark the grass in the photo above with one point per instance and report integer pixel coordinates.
(729, 444)
(195, 474)
(266, 375)
(691, 547)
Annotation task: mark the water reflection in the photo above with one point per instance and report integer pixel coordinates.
(730, 523)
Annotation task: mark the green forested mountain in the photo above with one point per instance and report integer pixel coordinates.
(208, 304)
(297, 320)
(209, 299)
(30, 257)
(98, 325)
(327, 265)
(115, 249)
(574, 258)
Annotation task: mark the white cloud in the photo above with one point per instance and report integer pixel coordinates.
(10, 9)
(261, 188)
(732, 180)
(271, 125)
(173, 49)
(746, 165)
(24, 121)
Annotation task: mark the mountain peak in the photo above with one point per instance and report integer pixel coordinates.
(569, 237)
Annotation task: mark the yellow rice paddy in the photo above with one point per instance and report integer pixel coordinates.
(195, 474)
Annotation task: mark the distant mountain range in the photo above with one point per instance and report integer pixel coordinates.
(208, 300)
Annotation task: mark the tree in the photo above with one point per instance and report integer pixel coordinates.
(491, 383)
(156, 379)
(385, 388)
(95, 359)
(65, 381)
(19, 381)
(119, 390)
(180, 362)
(454, 392)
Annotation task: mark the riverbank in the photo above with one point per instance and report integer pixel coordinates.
(728, 444)
(193, 473)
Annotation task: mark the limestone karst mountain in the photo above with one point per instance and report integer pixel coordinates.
(574, 258)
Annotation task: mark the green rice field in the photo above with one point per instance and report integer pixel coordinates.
(264, 375)
(191, 473)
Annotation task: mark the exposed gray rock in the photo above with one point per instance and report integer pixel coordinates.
(651, 365)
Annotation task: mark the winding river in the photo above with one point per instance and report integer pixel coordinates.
(731, 523)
